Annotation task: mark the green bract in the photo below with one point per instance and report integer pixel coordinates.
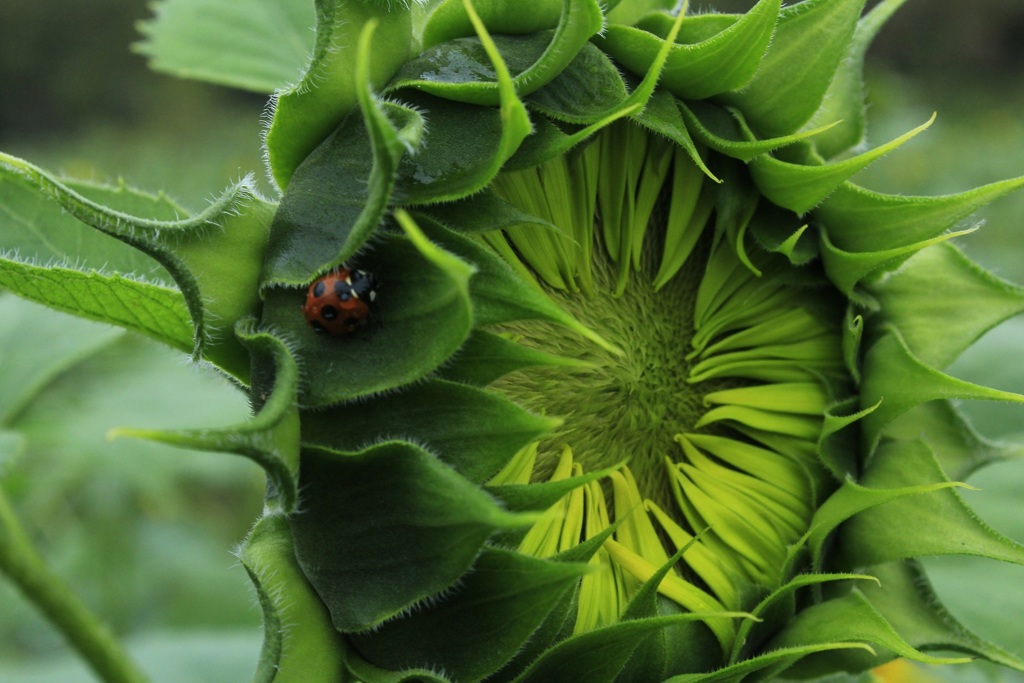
(650, 391)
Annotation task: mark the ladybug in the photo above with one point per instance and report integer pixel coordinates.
(339, 302)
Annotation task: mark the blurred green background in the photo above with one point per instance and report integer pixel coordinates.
(144, 533)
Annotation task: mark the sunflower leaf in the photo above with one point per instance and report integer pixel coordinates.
(800, 187)
(253, 45)
(474, 431)
(150, 309)
(698, 67)
(300, 643)
(936, 523)
(461, 69)
(306, 113)
(40, 231)
(271, 438)
(789, 88)
(407, 527)
(906, 599)
(212, 256)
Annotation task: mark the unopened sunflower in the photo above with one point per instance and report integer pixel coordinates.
(574, 354)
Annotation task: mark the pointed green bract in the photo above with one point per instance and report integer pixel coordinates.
(462, 70)
(942, 284)
(720, 63)
(300, 643)
(425, 311)
(437, 522)
(843, 104)
(473, 431)
(789, 87)
(307, 112)
(471, 633)
(935, 523)
(901, 381)
(271, 438)
(799, 187)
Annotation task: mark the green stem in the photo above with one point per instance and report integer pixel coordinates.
(20, 562)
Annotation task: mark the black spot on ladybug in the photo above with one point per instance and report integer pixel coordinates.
(343, 290)
(319, 288)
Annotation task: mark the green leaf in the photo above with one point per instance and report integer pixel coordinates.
(482, 625)
(901, 381)
(468, 144)
(775, 661)
(708, 66)
(938, 522)
(271, 438)
(499, 295)
(421, 316)
(306, 113)
(860, 220)
(212, 256)
(38, 230)
(255, 45)
(791, 84)
(387, 527)
(601, 654)
(843, 103)
(451, 19)
(800, 187)
(959, 449)
(473, 431)
(486, 356)
(849, 618)
(907, 601)
(338, 196)
(726, 131)
(153, 310)
(461, 69)
(300, 644)
(942, 303)
(584, 91)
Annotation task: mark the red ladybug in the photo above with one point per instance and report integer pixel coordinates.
(339, 302)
